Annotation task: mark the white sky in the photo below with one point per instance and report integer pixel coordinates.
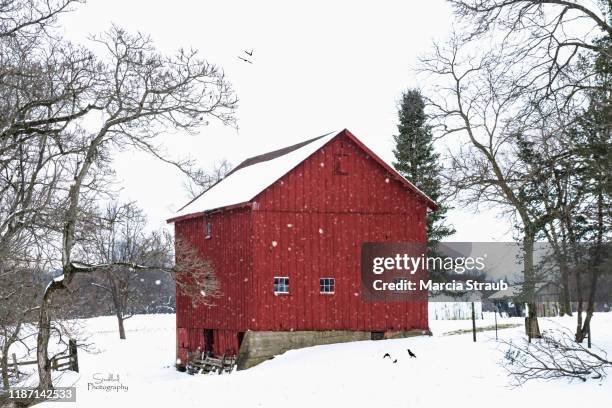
(317, 66)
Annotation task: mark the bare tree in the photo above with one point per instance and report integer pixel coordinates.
(31, 17)
(567, 148)
(519, 63)
(479, 95)
(120, 236)
(119, 240)
(64, 111)
(141, 95)
(551, 37)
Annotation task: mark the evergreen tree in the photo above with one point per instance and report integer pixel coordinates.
(418, 162)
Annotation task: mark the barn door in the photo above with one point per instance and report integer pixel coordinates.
(240, 339)
(209, 341)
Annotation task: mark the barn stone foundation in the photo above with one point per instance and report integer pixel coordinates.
(259, 346)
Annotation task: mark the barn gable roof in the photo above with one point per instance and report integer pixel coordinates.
(257, 173)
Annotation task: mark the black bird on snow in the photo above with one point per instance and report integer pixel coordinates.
(411, 354)
(387, 355)
(250, 54)
(395, 361)
(244, 59)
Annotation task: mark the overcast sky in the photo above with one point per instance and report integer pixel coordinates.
(317, 66)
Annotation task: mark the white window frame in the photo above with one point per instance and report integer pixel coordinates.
(278, 285)
(330, 285)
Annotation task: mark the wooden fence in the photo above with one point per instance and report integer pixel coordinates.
(60, 362)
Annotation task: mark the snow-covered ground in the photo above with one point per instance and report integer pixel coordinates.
(450, 370)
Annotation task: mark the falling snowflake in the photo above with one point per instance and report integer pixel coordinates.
(158, 282)
(274, 243)
(141, 279)
(202, 293)
(387, 180)
(322, 164)
(320, 230)
(178, 361)
(289, 225)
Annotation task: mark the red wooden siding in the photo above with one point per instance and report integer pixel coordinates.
(229, 251)
(308, 225)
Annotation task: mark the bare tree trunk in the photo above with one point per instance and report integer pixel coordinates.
(121, 328)
(531, 321)
(116, 296)
(583, 329)
(594, 265)
(559, 245)
(566, 304)
(4, 367)
(44, 335)
(579, 322)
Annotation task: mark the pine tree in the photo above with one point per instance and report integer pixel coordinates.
(418, 162)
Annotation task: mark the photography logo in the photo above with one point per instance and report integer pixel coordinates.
(106, 382)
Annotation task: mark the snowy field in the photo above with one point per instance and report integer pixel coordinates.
(450, 370)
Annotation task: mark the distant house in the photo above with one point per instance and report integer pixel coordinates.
(283, 231)
(511, 300)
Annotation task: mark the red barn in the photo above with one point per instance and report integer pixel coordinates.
(283, 233)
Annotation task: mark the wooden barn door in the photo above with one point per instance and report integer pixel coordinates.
(209, 341)
(240, 339)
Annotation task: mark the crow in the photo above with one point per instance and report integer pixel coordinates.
(411, 354)
(387, 355)
(244, 59)
(250, 54)
(395, 361)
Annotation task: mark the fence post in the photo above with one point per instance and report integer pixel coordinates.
(495, 314)
(74, 358)
(16, 366)
(473, 323)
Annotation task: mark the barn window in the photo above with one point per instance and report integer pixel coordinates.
(208, 230)
(281, 284)
(327, 285)
(340, 164)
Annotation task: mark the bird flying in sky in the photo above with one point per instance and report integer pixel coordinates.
(243, 59)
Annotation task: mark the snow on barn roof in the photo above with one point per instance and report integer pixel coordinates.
(257, 173)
